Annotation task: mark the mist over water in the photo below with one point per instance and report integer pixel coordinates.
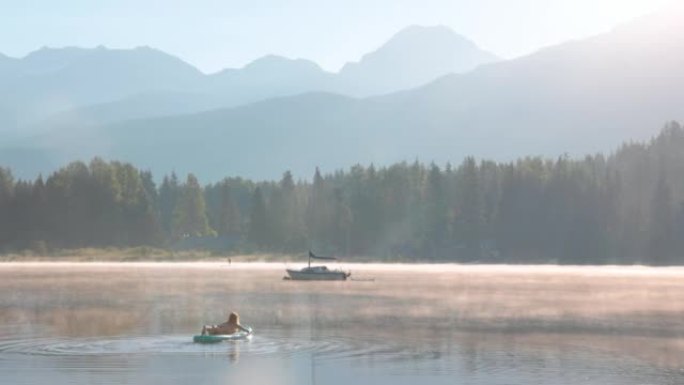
(431, 324)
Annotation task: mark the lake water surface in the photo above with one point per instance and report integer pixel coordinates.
(117, 323)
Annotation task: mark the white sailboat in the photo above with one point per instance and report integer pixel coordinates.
(317, 273)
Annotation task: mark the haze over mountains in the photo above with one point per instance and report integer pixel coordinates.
(51, 80)
(578, 97)
(102, 85)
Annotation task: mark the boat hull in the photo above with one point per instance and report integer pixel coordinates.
(299, 275)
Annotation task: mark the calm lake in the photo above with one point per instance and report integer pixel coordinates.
(121, 323)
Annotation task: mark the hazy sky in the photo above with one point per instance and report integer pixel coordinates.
(214, 34)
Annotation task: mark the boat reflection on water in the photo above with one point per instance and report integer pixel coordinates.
(317, 273)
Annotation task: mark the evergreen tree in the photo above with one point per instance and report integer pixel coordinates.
(229, 217)
(259, 225)
(169, 193)
(287, 220)
(662, 228)
(189, 215)
(6, 195)
(318, 214)
(470, 209)
(37, 215)
(436, 213)
(679, 235)
(343, 224)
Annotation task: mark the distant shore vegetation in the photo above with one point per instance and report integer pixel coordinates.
(622, 208)
(143, 254)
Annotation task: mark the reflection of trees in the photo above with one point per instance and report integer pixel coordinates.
(91, 321)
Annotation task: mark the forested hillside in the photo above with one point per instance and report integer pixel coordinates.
(627, 207)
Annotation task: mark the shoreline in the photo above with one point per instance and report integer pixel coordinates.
(418, 267)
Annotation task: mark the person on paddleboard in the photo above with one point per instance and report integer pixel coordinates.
(229, 327)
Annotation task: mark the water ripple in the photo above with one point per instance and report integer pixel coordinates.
(328, 347)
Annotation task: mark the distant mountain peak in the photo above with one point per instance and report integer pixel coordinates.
(48, 59)
(425, 38)
(275, 62)
(75, 52)
(414, 56)
(420, 31)
(47, 50)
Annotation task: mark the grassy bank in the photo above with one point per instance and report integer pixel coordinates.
(142, 254)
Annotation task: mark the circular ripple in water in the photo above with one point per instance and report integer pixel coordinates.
(331, 348)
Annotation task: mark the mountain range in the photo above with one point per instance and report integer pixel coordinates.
(64, 86)
(574, 98)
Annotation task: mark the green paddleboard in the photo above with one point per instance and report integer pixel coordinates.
(210, 339)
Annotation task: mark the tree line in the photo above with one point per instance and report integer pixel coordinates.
(624, 208)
